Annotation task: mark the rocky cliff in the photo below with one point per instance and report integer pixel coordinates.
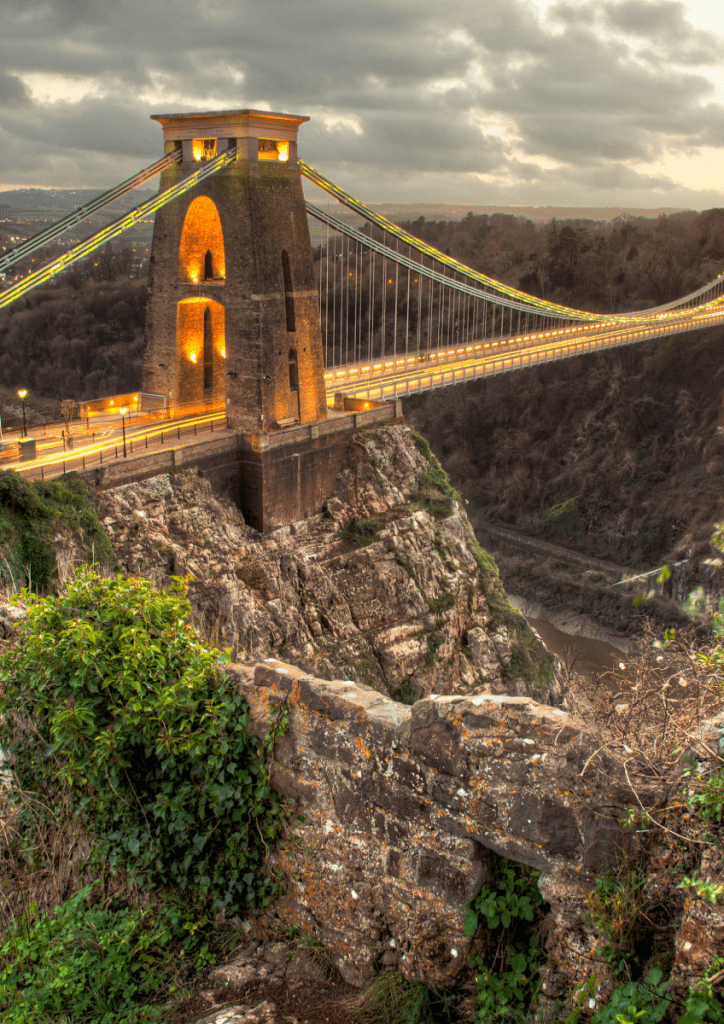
(386, 600)
(388, 587)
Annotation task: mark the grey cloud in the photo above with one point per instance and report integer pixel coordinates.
(593, 102)
(662, 23)
(12, 92)
(652, 19)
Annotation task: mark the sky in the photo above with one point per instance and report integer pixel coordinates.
(485, 102)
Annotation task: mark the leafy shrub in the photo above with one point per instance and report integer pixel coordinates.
(112, 708)
(704, 1004)
(100, 963)
(506, 971)
(638, 1002)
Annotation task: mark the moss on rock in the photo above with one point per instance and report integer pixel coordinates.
(32, 515)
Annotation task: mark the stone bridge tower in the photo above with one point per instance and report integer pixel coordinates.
(232, 310)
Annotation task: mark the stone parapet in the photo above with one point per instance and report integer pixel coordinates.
(403, 804)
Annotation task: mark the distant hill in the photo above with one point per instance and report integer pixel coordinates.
(62, 200)
(539, 214)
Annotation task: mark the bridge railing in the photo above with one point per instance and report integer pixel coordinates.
(395, 381)
(97, 454)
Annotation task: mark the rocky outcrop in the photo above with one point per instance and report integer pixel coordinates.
(388, 587)
(11, 615)
(403, 806)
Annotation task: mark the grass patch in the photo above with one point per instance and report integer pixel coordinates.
(529, 659)
(435, 493)
(309, 945)
(392, 999)
(405, 694)
(361, 532)
(434, 643)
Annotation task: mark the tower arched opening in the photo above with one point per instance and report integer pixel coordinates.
(200, 352)
(201, 252)
(293, 370)
(288, 292)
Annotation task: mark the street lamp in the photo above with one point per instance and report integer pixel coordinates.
(22, 394)
(123, 421)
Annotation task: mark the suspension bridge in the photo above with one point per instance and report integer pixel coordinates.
(396, 317)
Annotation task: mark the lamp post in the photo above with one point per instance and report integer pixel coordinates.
(123, 422)
(22, 394)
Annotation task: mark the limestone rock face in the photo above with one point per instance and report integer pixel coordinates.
(11, 615)
(402, 806)
(383, 588)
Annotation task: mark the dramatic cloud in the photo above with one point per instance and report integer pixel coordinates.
(499, 101)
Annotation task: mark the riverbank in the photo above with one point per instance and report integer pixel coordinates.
(576, 593)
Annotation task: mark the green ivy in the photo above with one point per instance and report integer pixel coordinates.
(136, 730)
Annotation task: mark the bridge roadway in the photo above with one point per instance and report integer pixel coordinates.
(412, 373)
(101, 442)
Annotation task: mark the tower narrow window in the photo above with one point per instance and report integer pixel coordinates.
(293, 370)
(208, 266)
(288, 293)
(208, 355)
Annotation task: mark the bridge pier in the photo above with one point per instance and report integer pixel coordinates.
(275, 478)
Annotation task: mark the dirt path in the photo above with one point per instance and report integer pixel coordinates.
(545, 547)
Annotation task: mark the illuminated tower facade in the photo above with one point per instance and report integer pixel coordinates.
(232, 312)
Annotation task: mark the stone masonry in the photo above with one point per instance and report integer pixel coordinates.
(402, 806)
(262, 215)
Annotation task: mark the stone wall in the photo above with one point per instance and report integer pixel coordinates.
(403, 805)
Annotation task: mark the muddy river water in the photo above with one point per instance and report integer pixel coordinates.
(583, 646)
(581, 654)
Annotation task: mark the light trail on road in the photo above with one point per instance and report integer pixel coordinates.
(385, 379)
